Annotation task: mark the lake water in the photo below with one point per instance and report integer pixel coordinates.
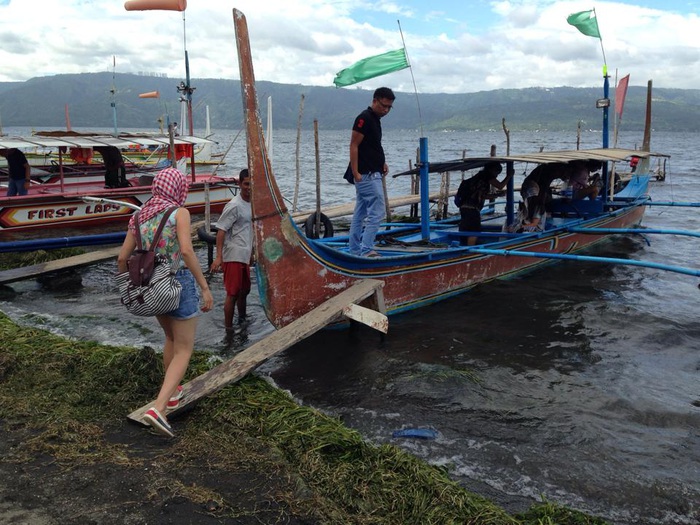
(578, 383)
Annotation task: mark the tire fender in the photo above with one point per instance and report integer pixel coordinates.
(310, 227)
(205, 236)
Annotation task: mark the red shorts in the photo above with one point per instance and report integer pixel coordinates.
(236, 278)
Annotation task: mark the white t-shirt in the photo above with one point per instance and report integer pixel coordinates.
(236, 221)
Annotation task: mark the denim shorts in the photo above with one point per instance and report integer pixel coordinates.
(189, 297)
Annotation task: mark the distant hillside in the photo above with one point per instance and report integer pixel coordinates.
(40, 103)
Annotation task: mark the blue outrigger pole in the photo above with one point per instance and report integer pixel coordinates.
(641, 231)
(588, 258)
(55, 243)
(673, 203)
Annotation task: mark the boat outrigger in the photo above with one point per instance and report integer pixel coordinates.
(422, 264)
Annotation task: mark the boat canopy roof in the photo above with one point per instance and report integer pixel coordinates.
(72, 139)
(542, 157)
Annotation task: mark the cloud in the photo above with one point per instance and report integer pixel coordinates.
(453, 47)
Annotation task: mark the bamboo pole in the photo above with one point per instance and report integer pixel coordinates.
(415, 186)
(507, 132)
(447, 195)
(578, 135)
(318, 180)
(387, 207)
(296, 187)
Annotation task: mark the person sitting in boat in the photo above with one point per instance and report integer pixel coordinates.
(531, 216)
(472, 194)
(633, 163)
(581, 183)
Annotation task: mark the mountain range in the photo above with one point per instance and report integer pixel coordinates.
(40, 103)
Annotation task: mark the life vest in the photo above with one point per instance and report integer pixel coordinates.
(81, 155)
(183, 150)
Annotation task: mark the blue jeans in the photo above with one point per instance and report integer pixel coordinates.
(16, 187)
(369, 212)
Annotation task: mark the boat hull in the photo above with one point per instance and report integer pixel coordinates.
(296, 274)
(54, 209)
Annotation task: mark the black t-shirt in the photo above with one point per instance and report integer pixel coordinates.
(473, 191)
(370, 155)
(545, 174)
(111, 156)
(16, 161)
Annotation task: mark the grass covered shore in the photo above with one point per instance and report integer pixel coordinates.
(247, 455)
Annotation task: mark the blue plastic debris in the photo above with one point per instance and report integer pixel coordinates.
(419, 433)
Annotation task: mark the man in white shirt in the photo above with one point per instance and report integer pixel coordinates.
(234, 248)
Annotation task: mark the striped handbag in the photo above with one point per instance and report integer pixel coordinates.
(149, 286)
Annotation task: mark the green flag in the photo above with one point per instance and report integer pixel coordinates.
(371, 67)
(586, 22)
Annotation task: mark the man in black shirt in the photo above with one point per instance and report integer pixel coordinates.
(19, 171)
(115, 172)
(368, 166)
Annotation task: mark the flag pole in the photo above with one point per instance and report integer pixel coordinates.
(601, 39)
(413, 79)
(618, 118)
(424, 184)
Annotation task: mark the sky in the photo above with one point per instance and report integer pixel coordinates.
(453, 46)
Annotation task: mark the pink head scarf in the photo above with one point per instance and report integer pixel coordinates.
(169, 189)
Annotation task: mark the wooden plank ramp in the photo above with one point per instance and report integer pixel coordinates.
(349, 302)
(76, 261)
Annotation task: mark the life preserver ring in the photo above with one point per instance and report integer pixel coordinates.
(205, 236)
(310, 227)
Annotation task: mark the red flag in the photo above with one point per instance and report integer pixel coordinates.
(620, 94)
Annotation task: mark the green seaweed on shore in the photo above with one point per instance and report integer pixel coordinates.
(70, 396)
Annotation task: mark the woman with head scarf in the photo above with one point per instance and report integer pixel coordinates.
(170, 190)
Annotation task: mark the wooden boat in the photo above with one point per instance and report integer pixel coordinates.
(67, 200)
(53, 154)
(425, 264)
(70, 154)
(52, 208)
(203, 156)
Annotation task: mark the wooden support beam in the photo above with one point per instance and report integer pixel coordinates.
(363, 315)
(76, 261)
(240, 365)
